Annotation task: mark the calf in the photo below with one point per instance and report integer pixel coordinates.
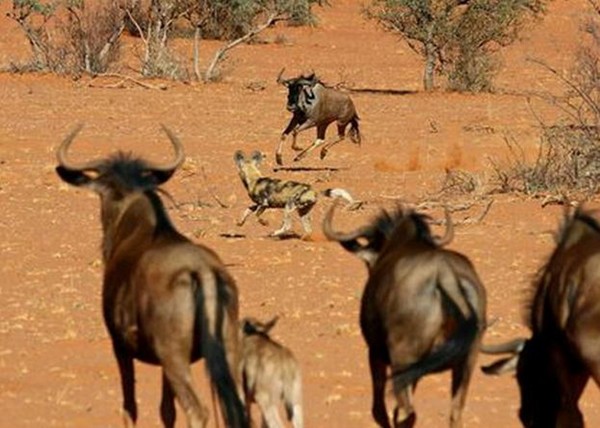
(270, 373)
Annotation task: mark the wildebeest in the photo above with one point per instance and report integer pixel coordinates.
(554, 365)
(422, 310)
(270, 374)
(314, 104)
(166, 301)
(267, 192)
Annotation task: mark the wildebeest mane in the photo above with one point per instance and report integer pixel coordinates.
(390, 224)
(130, 172)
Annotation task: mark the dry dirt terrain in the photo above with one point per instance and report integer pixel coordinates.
(56, 363)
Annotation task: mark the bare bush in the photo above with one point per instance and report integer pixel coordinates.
(568, 158)
(70, 38)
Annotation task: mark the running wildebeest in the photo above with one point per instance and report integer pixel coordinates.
(270, 374)
(422, 310)
(166, 301)
(554, 365)
(314, 104)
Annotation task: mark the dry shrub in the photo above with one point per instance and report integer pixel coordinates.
(70, 37)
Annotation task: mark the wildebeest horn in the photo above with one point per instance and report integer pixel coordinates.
(333, 235)
(61, 154)
(179, 154)
(280, 79)
(449, 235)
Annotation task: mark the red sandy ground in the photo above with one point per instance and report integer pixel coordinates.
(56, 365)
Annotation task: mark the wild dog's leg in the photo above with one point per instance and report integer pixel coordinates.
(341, 136)
(304, 213)
(167, 404)
(127, 373)
(249, 210)
(286, 225)
(378, 378)
(261, 209)
(293, 403)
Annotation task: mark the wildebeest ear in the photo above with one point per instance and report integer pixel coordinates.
(74, 177)
(160, 176)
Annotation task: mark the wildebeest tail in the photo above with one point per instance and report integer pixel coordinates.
(354, 132)
(455, 348)
(211, 299)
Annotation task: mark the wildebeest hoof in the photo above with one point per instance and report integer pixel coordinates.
(278, 159)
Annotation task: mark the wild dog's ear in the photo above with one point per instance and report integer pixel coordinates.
(257, 157)
(239, 157)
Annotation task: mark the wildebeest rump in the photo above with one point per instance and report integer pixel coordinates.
(554, 365)
(422, 309)
(166, 300)
(314, 104)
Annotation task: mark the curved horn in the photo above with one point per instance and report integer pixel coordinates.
(280, 79)
(449, 235)
(61, 154)
(179, 153)
(333, 235)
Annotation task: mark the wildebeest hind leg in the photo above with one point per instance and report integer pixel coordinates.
(179, 376)
(127, 373)
(378, 377)
(341, 136)
(167, 404)
(461, 378)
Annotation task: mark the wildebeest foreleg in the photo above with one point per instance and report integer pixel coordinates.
(378, 378)
(293, 127)
(341, 137)
(321, 128)
(167, 404)
(127, 373)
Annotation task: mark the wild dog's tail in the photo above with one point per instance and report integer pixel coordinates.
(354, 132)
(211, 319)
(338, 192)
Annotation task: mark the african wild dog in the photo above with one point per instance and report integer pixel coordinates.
(267, 192)
(314, 104)
(270, 373)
